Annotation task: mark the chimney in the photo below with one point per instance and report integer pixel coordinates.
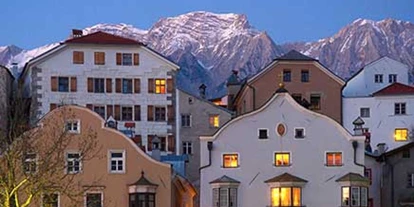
(156, 152)
(202, 91)
(77, 33)
(381, 148)
(358, 130)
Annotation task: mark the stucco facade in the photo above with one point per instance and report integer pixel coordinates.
(6, 87)
(138, 94)
(258, 172)
(320, 83)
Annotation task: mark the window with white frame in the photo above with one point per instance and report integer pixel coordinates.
(263, 133)
(334, 159)
(364, 112)
(399, 108)
(73, 163)
(392, 78)
(299, 133)
(354, 196)
(117, 161)
(378, 78)
(286, 196)
(30, 163)
(93, 199)
(51, 200)
(187, 148)
(73, 126)
(282, 159)
(225, 197)
(185, 120)
(231, 160)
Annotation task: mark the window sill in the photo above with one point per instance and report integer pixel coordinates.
(300, 137)
(230, 167)
(263, 138)
(326, 165)
(282, 165)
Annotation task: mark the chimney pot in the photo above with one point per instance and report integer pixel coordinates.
(77, 33)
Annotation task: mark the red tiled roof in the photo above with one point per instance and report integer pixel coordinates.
(395, 89)
(103, 38)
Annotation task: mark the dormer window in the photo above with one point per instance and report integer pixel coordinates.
(263, 133)
(378, 78)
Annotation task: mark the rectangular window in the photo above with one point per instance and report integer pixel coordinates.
(63, 84)
(315, 102)
(355, 196)
(185, 120)
(117, 162)
(126, 112)
(100, 110)
(159, 113)
(399, 109)
(263, 133)
(345, 196)
(30, 163)
(98, 85)
(73, 163)
(126, 59)
(214, 121)
(334, 159)
(287, 76)
(160, 86)
(73, 126)
(392, 78)
(94, 199)
(78, 57)
(99, 58)
(142, 200)
(126, 85)
(401, 134)
(286, 196)
(364, 112)
(305, 76)
(282, 159)
(364, 196)
(187, 148)
(378, 78)
(50, 200)
(299, 133)
(230, 160)
(225, 197)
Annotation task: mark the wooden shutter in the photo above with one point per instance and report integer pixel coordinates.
(109, 85)
(118, 85)
(54, 83)
(73, 84)
(136, 59)
(171, 143)
(117, 112)
(170, 85)
(137, 111)
(118, 59)
(78, 57)
(150, 113)
(53, 106)
(90, 85)
(89, 106)
(110, 111)
(170, 113)
(149, 142)
(99, 58)
(137, 85)
(151, 85)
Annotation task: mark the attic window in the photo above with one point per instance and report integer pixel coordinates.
(299, 133)
(263, 133)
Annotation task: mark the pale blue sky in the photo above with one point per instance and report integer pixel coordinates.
(32, 23)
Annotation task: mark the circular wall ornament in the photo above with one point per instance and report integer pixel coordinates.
(281, 129)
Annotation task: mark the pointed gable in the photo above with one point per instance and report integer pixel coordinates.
(395, 89)
(295, 55)
(103, 38)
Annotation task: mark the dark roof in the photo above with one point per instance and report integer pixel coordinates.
(103, 38)
(395, 89)
(285, 177)
(224, 179)
(295, 55)
(352, 177)
(358, 121)
(143, 181)
(400, 149)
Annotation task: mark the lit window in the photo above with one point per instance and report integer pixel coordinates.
(399, 108)
(354, 196)
(364, 112)
(73, 163)
(378, 78)
(187, 148)
(401, 135)
(392, 78)
(50, 200)
(73, 126)
(334, 158)
(225, 197)
(214, 121)
(299, 133)
(30, 163)
(286, 196)
(94, 199)
(287, 76)
(263, 133)
(230, 160)
(117, 162)
(315, 102)
(305, 76)
(160, 86)
(282, 159)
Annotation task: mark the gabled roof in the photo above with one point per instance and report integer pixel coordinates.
(285, 177)
(352, 177)
(103, 38)
(395, 89)
(224, 179)
(295, 55)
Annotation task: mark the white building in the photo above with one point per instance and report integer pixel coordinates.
(127, 83)
(374, 77)
(282, 155)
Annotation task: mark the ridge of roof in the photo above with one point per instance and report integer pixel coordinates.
(103, 38)
(295, 55)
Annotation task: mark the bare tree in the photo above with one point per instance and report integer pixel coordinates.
(33, 160)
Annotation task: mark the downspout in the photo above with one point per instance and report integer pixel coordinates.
(254, 95)
(209, 147)
(355, 146)
(392, 184)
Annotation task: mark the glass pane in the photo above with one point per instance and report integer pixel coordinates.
(338, 158)
(355, 196)
(296, 196)
(345, 196)
(230, 160)
(285, 196)
(364, 196)
(116, 154)
(224, 197)
(275, 197)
